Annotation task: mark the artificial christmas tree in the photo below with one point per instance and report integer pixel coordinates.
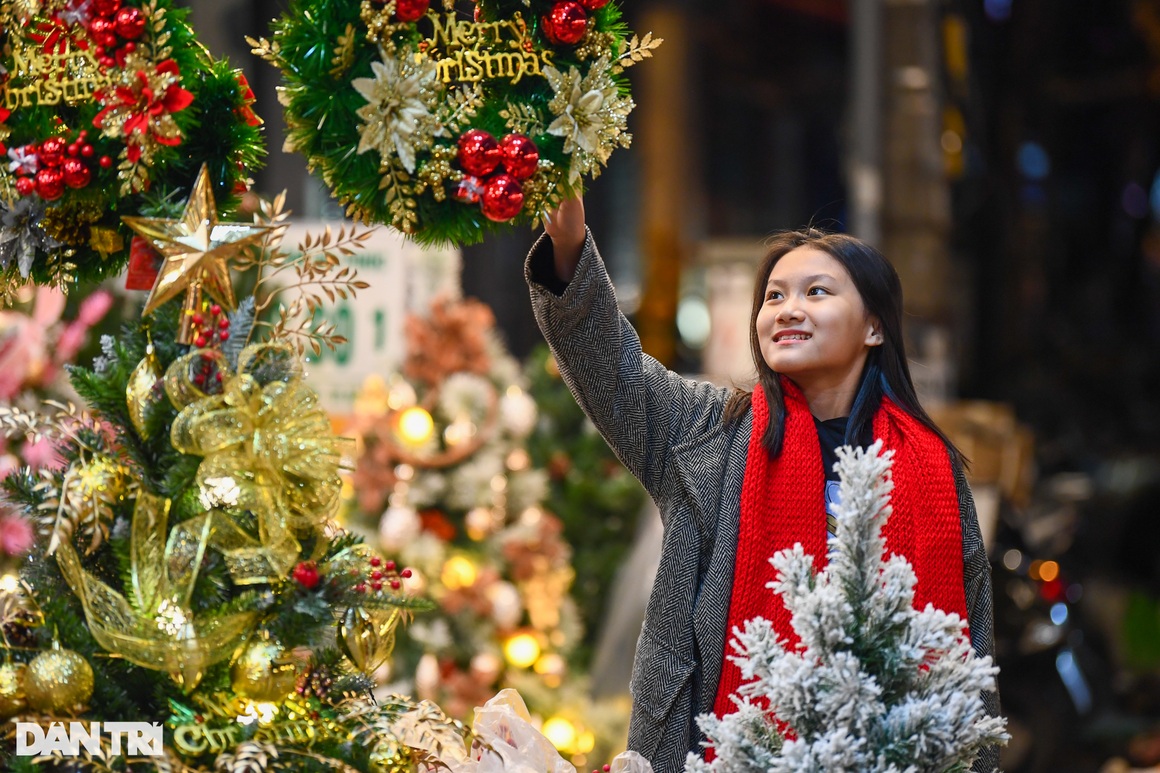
(187, 570)
(874, 684)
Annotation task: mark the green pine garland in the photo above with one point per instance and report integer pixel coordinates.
(322, 46)
(216, 128)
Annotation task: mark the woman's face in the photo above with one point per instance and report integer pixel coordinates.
(813, 326)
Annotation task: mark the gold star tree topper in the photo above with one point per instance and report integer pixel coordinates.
(197, 250)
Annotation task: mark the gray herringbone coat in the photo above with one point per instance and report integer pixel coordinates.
(668, 431)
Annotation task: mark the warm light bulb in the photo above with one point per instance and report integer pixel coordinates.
(522, 650)
(458, 572)
(9, 583)
(416, 426)
(561, 733)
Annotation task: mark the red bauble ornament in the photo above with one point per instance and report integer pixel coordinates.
(76, 174)
(411, 10)
(566, 23)
(520, 156)
(593, 5)
(103, 32)
(130, 23)
(306, 573)
(25, 186)
(503, 198)
(51, 151)
(479, 153)
(105, 162)
(49, 183)
(105, 7)
(469, 190)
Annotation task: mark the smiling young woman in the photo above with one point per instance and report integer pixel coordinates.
(739, 475)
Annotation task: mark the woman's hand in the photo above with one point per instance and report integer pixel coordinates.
(565, 227)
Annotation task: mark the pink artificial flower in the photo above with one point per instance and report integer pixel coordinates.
(41, 454)
(16, 535)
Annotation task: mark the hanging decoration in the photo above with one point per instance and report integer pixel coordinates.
(106, 109)
(447, 122)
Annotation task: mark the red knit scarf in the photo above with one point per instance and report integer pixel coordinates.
(782, 503)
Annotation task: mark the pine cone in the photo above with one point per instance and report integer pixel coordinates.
(70, 223)
(316, 682)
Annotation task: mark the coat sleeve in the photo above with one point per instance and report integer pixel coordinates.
(980, 603)
(640, 407)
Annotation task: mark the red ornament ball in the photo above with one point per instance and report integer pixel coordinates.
(566, 23)
(25, 186)
(49, 183)
(503, 198)
(306, 573)
(593, 5)
(103, 32)
(520, 156)
(105, 7)
(51, 151)
(76, 174)
(130, 23)
(411, 10)
(105, 162)
(479, 153)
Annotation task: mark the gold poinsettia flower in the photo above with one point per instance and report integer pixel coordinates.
(591, 115)
(397, 118)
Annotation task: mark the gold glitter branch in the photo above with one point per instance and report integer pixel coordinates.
(313, 273)
(62, 423)
(636, 50)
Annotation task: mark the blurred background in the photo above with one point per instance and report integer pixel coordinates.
(1005, 155)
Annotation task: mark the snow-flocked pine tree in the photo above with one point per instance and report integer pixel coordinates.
(875, 686)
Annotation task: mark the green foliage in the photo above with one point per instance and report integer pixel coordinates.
(597, 499)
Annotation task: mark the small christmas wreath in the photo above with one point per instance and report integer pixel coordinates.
(446, 123)
(107, 108)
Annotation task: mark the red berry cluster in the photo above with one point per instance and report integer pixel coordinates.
(567, 22)
(500, 196)
(114, 30)
(378, 574)
(212, 328)
(605, 769)
(307, 575)
(46, 169)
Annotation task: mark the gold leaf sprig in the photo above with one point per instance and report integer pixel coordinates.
(343, 52)
(62, 423)
(636, 50)
(522, 119)
(314, 270)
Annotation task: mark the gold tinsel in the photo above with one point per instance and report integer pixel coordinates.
(71, 222)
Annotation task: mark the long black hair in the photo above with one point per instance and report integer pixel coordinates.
(885, 373)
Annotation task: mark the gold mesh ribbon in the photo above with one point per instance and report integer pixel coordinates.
(157, 629)
(268, 449)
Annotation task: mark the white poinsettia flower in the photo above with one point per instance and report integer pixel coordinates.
(591, 115)
(397, 118)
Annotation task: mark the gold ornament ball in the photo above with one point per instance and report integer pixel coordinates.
(12, 698)
(264, 672)
(58, 680)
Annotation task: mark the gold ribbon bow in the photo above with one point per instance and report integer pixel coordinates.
(269, 448)
(157, 629)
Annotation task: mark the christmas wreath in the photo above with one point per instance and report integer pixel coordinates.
(446, 122)
(107, 108)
